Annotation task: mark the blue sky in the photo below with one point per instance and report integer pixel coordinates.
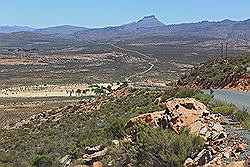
(100, 13)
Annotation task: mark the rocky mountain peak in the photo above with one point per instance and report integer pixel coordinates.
(149, 17)
(150, 21)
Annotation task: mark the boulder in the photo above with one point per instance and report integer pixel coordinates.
(97, 164)
(148, 118)
(183, 112)
(196, 127)
(218, 135)
(217, 127)
(203, 131)
(91, 150)
(115, 142)
(95, 155)
(64, 159)
(213, 151)
(189, 162)
(236, 164)
(240, 148)
(203, 157)
(226, 155)
(179, 113)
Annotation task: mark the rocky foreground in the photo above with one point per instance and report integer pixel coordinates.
(177, 115)
(188, 113)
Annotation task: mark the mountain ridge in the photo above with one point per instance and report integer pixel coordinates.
(10, 29)
(147, 26)
(63, 29)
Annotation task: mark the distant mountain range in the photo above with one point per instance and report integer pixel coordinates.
(60, 30)
(10, 29)
(148, 26)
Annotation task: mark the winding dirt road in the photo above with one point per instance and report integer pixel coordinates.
(143, 55)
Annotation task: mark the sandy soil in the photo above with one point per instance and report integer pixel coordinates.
(51, 90)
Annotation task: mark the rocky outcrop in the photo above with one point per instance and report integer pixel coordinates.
(60, 113)
(179, 113)
(149, 118)
(92, 154)
(190, 114)
(231, 73)
(183, 112)
(239, 82)
(91, 157)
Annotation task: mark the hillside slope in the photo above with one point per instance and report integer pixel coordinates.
(129, 127)
(232, 73)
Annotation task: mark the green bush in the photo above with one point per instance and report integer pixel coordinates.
(244, 118)
(116, 129)
(43, 161)
(186, 92)
(223, 108)
(92, 138)
(202, 97)
(159, 147)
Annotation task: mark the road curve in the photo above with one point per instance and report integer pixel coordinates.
(240, 99)
(139, 53)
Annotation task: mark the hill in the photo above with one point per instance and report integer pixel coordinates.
(121, 129)
(10, 29)
(30, 40)
(232, 73)
(60, 30)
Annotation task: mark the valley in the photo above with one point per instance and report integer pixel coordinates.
(128, 95)
(54, 76)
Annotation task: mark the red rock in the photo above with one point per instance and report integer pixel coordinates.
(183, 112)
(97, 164)
(240, 147)
(236, 164)
(147, 118)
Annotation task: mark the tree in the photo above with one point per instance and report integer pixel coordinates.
(109, 88)
(84, 91)
(124, 84)
(78, 91)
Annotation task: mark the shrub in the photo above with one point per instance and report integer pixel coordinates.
(43, 161)
(243, 116)
(92, 138)
(202, 97)
(6, 158)
(116, 129)
(184, 92)
(223, 108)
(70, 148)
(159, 147)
